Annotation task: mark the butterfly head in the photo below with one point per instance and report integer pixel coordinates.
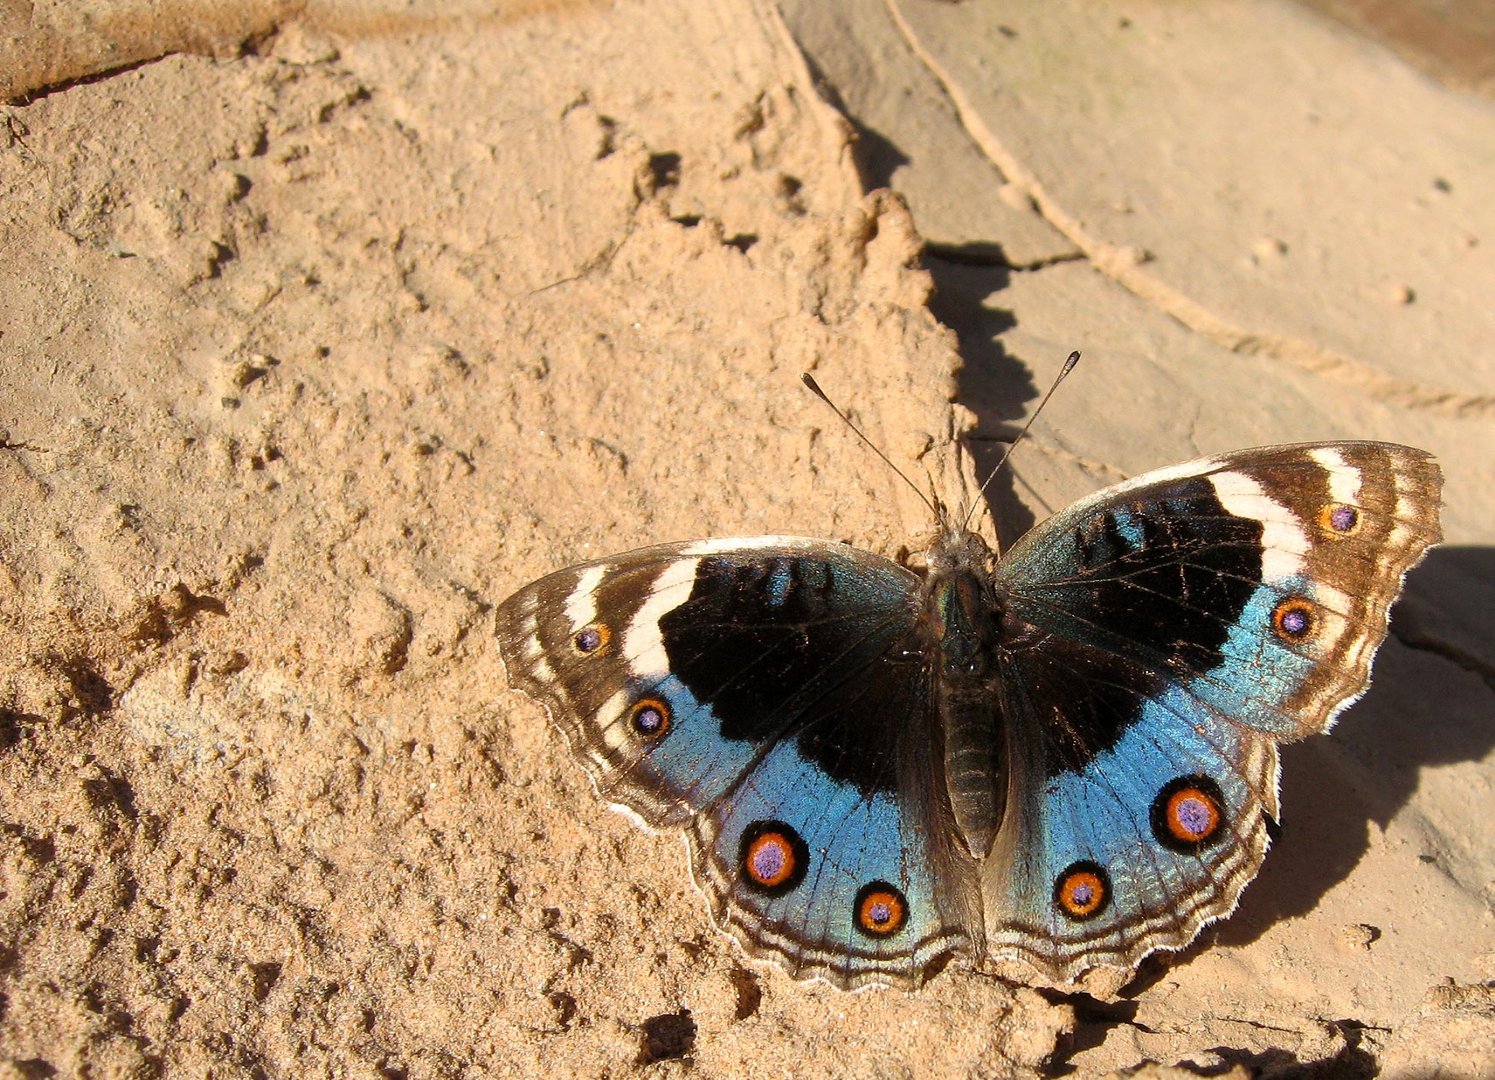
(956, 548)
(959, 605)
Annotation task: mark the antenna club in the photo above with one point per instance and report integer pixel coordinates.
(1069, 365)
(814, 388)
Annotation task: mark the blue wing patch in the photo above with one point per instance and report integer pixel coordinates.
(841, 882)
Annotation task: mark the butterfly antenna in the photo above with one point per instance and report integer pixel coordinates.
(814, 387)
(1069, 365)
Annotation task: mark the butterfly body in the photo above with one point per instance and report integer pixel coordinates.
(1062, 759)
(964, 615)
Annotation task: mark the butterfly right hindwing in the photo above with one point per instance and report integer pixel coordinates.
(1160, 638)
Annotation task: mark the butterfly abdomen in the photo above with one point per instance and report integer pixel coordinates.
(962, 620)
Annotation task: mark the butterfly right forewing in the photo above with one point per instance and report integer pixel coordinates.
(1162, 637)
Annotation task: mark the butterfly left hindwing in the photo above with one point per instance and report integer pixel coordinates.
(760, 692)
(1063, 760)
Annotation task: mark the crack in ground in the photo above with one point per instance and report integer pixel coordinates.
(1123, 265)
(992, 254)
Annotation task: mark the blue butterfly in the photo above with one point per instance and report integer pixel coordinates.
(1054, 761)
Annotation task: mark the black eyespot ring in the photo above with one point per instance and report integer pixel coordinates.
(1188, 814)
(881, 910)
(1082, 891)
(650, 717)
(773, 858)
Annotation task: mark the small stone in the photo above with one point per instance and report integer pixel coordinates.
(380, 630)
(231, 186)
(297, 44)
(225, 663)
(1358, 936)
(1268, 247)
(916, 445)
(1400, 294)
(242, 374)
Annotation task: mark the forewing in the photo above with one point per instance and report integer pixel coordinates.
(1160, 638)
(768, 695)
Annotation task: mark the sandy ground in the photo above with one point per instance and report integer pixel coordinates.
(324, 327)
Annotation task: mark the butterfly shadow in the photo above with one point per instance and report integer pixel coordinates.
(995, 385)
(1428, 706)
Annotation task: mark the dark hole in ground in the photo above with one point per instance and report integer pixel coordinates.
(667, 1038)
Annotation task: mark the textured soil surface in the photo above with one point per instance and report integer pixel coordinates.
(324, 327)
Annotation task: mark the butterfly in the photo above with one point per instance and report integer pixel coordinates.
(1056, 760)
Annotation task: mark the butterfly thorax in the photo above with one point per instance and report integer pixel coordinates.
(962, 615)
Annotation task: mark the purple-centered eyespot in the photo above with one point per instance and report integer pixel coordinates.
(772, 858)
(1188, 814)
(1293, 618)
(591, 639)
(881, 910)
(1082, 890)
(1339, 519)
(769, 860)
(650, 717)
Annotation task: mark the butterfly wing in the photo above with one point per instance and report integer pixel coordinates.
(1161, 637)
(766, 694)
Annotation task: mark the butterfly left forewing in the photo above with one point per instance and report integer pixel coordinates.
(585, 643)
(1161, 637)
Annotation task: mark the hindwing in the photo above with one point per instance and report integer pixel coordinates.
(1161, 637)
(763, 693)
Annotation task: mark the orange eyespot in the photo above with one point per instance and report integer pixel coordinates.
(1339, 519)
(1188, 814)
(1083, 890)
(881, 910)
(1293, 618)
(773, 857)
(650, 717)
(591, 640)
